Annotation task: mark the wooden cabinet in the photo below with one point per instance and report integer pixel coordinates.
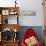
(10, 43)
(44, 36)
(7, 13)
(9, 26)
(44, 6)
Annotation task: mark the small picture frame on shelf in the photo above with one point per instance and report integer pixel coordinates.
(0, 36)
(5, 12)
(13, 13)
(0, 19)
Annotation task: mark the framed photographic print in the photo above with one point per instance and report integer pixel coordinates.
(0, 19)
(5, 12)
(11, 13)
(0, 36)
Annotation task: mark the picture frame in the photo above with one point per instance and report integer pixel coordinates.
(29, 13)
(0, 19)
(13, 12)
(0, 36)
(5, 12)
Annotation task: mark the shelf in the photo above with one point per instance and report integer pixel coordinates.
(10, 26)
(11, 41)
(10, 19)
(5, 19)
(9, 22)
(11, 15)
(9, 8)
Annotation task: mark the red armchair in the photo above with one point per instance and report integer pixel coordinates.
(28, 34)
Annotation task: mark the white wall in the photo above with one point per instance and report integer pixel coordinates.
(27, 5)
(30, 5)
(6, 3)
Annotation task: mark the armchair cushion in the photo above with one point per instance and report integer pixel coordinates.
(30, 38)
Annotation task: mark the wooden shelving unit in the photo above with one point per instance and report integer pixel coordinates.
(5, 13)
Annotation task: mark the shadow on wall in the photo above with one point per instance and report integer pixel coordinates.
(37, 29)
